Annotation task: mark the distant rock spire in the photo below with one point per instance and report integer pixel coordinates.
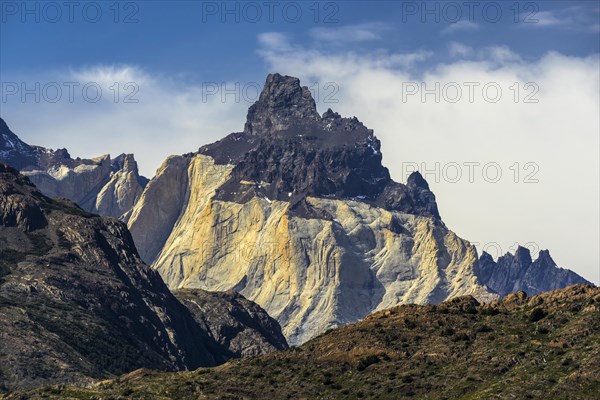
(512, 273)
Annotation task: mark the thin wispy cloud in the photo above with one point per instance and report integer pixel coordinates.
(491, 55)
(460, 26)
(575, 18)
(456, 49)
(377, 59)
(274, 40)
(499, 54)
(350, 33)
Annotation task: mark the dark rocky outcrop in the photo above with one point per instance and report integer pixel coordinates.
(283, 105)
(288, 151)
(518, 272)
(237, 323)
(76, 301)
(13, 150)
(17, 207)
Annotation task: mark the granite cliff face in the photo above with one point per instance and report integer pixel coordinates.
(102, 185)
(298, 214)
(518, 272)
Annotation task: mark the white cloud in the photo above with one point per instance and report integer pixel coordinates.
(350, 33)
(574, 18)
(545, 18)
(559, 134)
(499, 54)
(459, 50)
(274, 40)
(460, 26)
(170, 116)
(106, 75)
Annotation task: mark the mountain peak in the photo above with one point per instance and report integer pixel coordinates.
(9, 173)
(3, 126)
(485, 256)
(545, 258)
(13, 150)
(416, 180)
(533, 277)
(302, 154)
(283, 103)
(523, 255)
(125, 162)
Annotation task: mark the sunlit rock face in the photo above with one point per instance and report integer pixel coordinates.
(298, 214)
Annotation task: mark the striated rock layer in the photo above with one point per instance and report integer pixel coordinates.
(102, 185)
(310, 274)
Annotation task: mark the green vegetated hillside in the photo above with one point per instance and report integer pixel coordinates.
(546, 346)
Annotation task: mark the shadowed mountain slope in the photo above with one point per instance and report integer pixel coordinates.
(76, 301)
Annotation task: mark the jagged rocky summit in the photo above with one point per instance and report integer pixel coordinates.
(300, 154)
(298, 214)
(102, 185)
(77, 303)
(518, 272)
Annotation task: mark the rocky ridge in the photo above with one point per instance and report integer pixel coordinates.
(234, 321)
(518, 272)
(101, 185)
(77, 303)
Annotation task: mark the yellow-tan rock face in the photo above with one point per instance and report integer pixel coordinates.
(309, 274)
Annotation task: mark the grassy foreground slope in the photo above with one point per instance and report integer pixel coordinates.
(546, 346)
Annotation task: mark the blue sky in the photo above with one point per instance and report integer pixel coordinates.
(202, 41)
(359, 58)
